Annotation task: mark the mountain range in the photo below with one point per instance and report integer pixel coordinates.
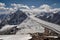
(50, 17)
(12, 18)
(19, 16)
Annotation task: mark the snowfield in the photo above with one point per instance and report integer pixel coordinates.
(15, 37)
(30, 26)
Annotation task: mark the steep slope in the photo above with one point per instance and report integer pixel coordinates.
(30, 26)
(12, 18)
(50, 17)
(17, 18)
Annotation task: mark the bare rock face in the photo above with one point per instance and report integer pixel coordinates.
(37, 36)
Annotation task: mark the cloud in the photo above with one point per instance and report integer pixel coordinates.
(45, 6)
(2, 4)
(4, 9)
(12, 9)
(26, 8)
(32, 7)
(42, 8)
(20, 6)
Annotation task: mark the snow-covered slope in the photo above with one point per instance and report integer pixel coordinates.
(50, 17)
(12, 19)
(30, 26)
(15, 37)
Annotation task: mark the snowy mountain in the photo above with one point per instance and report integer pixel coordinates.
(50, 17)
(12, 19)
(28, 25)
(17, 18)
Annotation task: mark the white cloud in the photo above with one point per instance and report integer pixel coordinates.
(45, 6)
(4, 10)
(2, 4)
(29, 9)
(32, 7)
(14, 7)
(20, 6)
(42, 8)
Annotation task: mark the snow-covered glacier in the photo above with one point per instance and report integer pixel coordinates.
(25, 24)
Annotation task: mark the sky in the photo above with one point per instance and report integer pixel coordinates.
(54, 3)
(7, 6)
